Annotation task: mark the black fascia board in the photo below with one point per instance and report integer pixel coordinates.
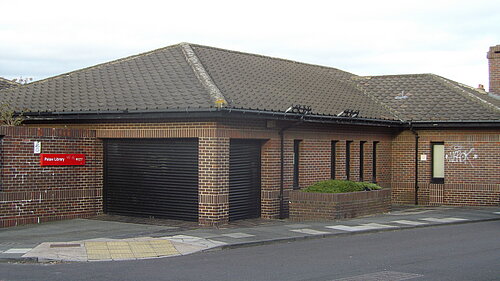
(311, 118)
(117, 115)
(79, 117)
(457, 124)
(93, 116)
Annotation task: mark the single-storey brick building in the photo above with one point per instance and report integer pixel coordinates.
(210, 135)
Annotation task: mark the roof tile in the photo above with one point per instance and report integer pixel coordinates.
(253, 81)
(428, 97)
(192, 76)
(128, 83)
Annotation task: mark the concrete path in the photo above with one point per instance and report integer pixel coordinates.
(83, 240)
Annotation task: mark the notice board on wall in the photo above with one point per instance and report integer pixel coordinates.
(62, 159)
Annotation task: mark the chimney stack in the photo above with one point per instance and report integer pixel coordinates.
(494, 66)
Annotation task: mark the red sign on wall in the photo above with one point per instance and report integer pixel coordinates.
(62, 159)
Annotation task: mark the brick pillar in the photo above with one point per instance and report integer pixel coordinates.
(270, 179)
(213, 181)
(494, 69)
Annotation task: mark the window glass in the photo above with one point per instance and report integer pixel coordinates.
(333, 166)
(374, 162)
(438, 161)
(348, 160)
(296, 163)
(362, 160)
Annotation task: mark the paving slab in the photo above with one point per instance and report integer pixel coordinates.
(94, 240)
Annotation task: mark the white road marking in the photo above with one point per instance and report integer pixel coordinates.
(297, 225)
(17, 251)
(382, 275)
(238, 235)
(207, 243)
(442, 220)
(378, 225)
(406, 222)
(309, 231)
(498, 213)
(362, 227)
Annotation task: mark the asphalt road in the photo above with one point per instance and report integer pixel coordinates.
(453, 252)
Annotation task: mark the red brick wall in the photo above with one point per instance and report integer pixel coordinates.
(214, 136)
(315, 156)
(30, 193)
(471, 180)
(494, 69)
(330, 206)
(464, 184)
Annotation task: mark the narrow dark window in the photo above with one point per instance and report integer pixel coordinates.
(437, 162)
(374, 162)
(348, 160)
(361, 160)
(333, 165)
(296, 163)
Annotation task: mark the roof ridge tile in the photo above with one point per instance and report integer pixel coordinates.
(203, 76)
(454, 86)
(396, 75)
(392, 111)
(8, 81)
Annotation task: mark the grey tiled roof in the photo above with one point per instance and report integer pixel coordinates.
(157, 80)
(187, 76)
(428, 97)
(259, 82)
(4, 83)
(481, 94)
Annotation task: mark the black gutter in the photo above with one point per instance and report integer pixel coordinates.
(457, 124)
(33, 117)
(63, 117)
(315, 118)
(255, 113)
(78, 117)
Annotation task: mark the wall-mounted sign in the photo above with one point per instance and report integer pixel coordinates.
(62, 159)
(37, 147)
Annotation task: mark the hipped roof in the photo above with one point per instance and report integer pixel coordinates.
(194, 77)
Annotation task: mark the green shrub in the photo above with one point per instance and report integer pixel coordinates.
(340, 186)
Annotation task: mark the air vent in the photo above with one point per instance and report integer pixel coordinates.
(401, 96)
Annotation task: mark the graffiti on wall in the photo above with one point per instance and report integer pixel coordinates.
(459, 154)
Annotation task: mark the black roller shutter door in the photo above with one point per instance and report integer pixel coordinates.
(152, 178)
(244, 179)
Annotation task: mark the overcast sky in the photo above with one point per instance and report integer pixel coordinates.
(40, 39)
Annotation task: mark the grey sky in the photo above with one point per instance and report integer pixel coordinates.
(450, 38)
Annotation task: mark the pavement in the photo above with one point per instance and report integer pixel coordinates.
(107, 238)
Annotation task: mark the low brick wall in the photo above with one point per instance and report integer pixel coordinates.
(31, 193)
(330, 206)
